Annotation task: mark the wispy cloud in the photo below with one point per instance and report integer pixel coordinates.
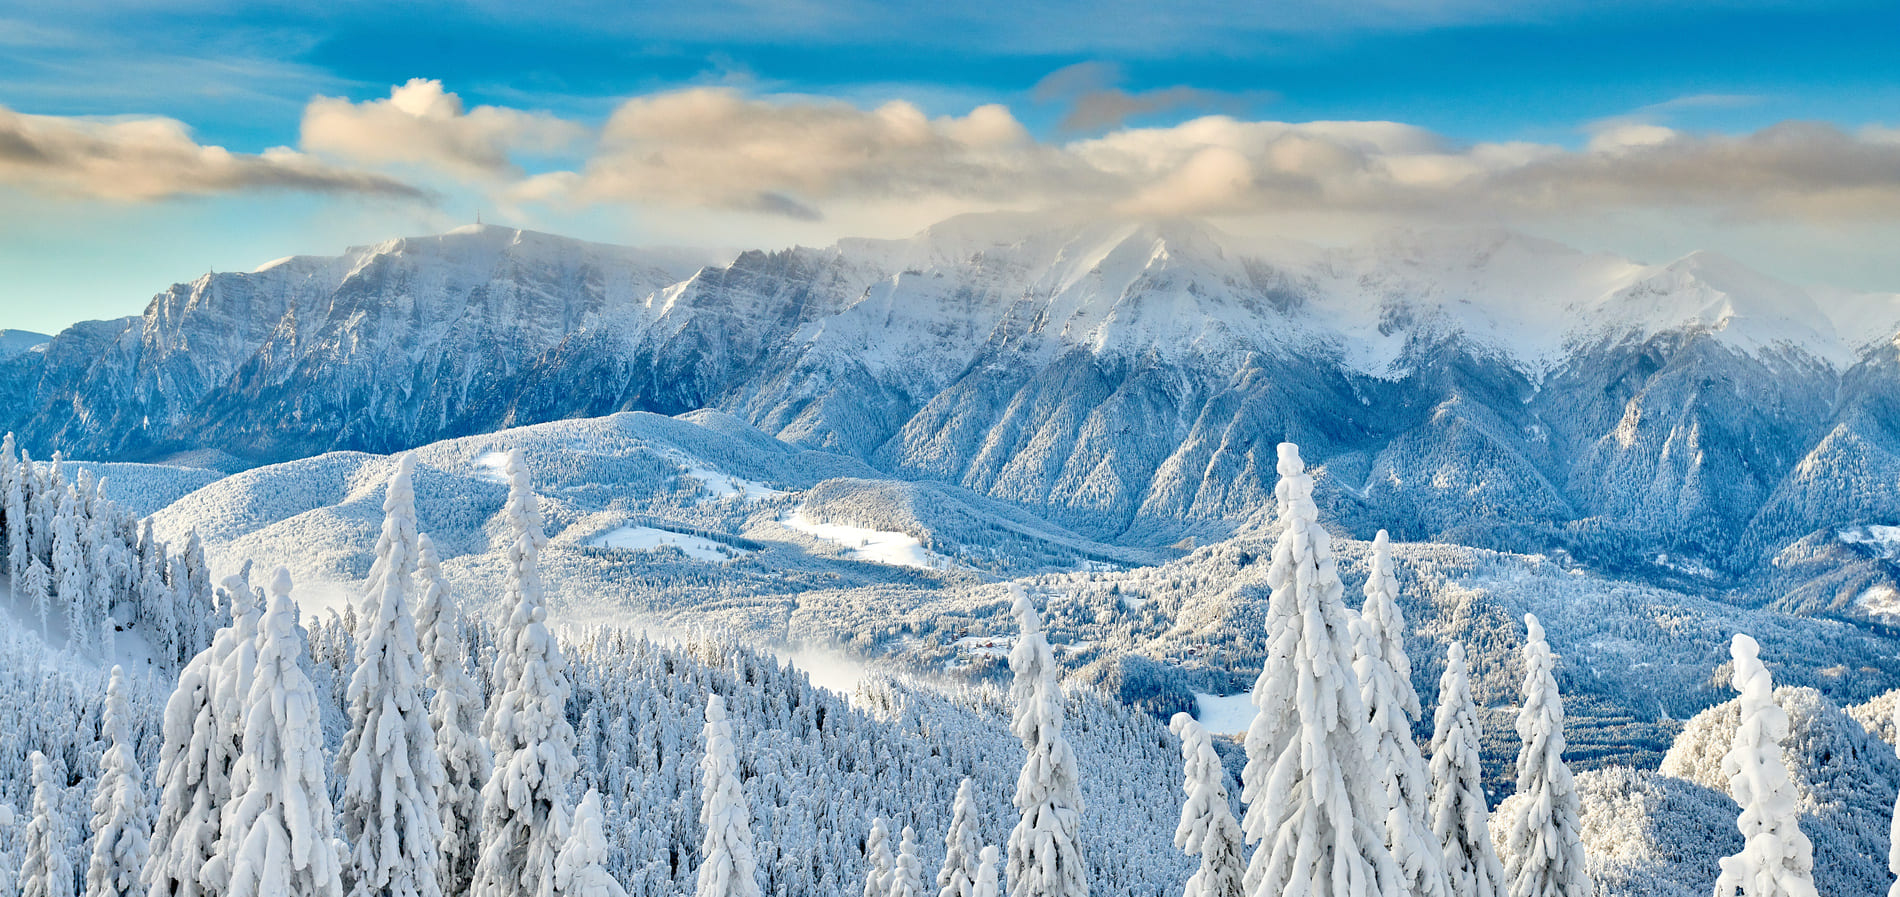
(154, 158)
(1096, 101)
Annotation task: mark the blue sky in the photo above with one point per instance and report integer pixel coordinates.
(1769, 130)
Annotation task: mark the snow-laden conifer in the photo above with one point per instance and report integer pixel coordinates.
(391, 774)
(986, 884)
(1543, 842)
(1385, 685)
(727, 864)
(581, 869)
(1777, 860)
(71, 579)
(38, 586)
(47, 868)
(18, 523)
(455, 715)
(525, 803)
(1893, 832)
(1460, 818)
(907, 877)
(1045, 849)
(203, 732)
(1208, 829)
(879, 864)
(277, 838)
(1316, 800)
(121, 811)
(961, 844)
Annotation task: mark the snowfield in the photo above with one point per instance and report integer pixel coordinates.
(877, 546)
(1225, 714)
(643, 538)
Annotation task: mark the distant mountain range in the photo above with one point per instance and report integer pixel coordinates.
(1694, 422)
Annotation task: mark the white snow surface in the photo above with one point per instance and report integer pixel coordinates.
(877, 546)
(1225, 714)
(642, 538)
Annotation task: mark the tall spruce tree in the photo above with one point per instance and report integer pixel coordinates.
(727, 863)
(879, 864)
(907, 876)
(1045, 848)
(1385, 685)
(121, 811)
(1208, 829)
(276, 838)
(390, 807)
(455, 715)
(961, 844)
(47, 869)
(1777, 860)
(525, 803)
(1543, 841)
(1316, 798)
(1460, 818)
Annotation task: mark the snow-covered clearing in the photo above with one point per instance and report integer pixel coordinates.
(878, 546)
(491, 464)
(1225, 714)
(724, 485)
(642, 538)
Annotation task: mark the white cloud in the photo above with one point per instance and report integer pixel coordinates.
(794, 156)
(423, 124)
(154, 158)
(715, 147)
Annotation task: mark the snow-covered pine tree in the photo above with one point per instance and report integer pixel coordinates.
(1460, 819)
(390, 807)
(1045, 849)
(455, 714)
(38, 585)
(9, 470)
(1543, 843)
(986, 885)
(1385, 685)
(1777, 860)
(727, 864)
(581, 869)
(47, 869)
(71, 578)
(525, 811)
(121, 811)
(907, 877)
(879, 865)
(276, 838)
(203, 733)
(1316, 801)
(96, 548)
(1208, 828)
(160, 612)
(961, 843)
(19, 524)
(1893, 831)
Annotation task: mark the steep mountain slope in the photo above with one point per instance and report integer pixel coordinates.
(1125, 380)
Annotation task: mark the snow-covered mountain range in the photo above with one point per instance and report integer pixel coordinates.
(1125, 380)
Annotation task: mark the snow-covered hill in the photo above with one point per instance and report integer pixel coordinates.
(702, 523)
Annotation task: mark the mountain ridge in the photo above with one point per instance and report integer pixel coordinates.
(1126, 379)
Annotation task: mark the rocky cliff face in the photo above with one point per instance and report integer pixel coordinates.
(1127, 380)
